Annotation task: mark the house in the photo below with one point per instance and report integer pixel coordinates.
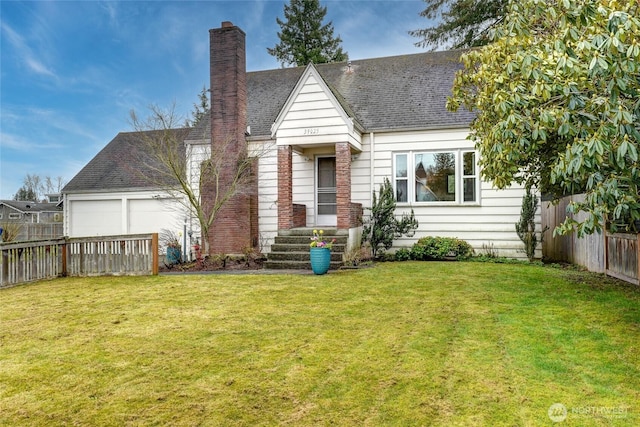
(26, 220)
(30, 212)
(328, 134)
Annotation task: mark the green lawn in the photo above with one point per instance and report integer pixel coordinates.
(398, 344)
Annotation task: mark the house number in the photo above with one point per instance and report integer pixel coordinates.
(312, 131)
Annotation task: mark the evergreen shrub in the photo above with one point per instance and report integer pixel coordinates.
(440, 248)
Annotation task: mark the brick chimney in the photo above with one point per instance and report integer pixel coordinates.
(233, 230)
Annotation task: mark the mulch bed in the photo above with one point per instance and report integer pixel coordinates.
(217, 263)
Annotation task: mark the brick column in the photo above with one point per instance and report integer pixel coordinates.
(285, 187)
(231, 232)
(343, 184)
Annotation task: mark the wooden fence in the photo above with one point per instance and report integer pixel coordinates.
(40, 231)
(23, 262)
(587, 251)
(623, 253)
(616, 255)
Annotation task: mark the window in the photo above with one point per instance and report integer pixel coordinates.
(402, 180)
(469, 181)
(15, 216)
(436, 176)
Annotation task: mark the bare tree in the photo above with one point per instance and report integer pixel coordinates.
(34, 187)
(202, 191)
(53, 185)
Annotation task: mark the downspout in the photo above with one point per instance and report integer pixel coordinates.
(371, 165)
(65, 214)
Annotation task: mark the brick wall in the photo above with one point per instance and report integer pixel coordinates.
(299, 215)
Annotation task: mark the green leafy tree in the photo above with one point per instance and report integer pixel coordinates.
(462, 23)
(557, 95)
(383, 227)
(304, 38)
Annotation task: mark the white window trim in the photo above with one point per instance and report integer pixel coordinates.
(15, 216)
(459, 178)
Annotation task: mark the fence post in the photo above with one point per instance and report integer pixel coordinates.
(606, 249)
(154, 254)
(64, 258)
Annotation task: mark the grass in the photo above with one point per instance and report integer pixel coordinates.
(444, 344)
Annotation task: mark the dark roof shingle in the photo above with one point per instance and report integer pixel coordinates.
(122, 164)
(396, 92)
(25, 206)
(390, 93)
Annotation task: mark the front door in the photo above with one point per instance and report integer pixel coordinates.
(326, 202)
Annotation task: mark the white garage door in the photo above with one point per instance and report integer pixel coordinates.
(151, 216)
(95, 218)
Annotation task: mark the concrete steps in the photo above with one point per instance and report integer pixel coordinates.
(290, 250)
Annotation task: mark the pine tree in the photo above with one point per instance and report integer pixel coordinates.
(383, 226)
(526, 226)
(303, 38)
(462, 23)
(200, 110)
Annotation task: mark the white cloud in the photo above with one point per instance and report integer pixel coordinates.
(23, 144)
(111, 9)
(25, 52)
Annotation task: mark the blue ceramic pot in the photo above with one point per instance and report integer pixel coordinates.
(320, 260)
(173, 256)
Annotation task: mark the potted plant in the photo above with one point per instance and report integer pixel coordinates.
(172, 243)
(320, 252)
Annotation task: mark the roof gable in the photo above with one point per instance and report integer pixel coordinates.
(312, 103)
(311, 93)
(390, 93)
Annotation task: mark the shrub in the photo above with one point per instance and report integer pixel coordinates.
(9, 231)
(526, 226)
(439, 248)
(403, 254)
(386, 257)
(382, 226)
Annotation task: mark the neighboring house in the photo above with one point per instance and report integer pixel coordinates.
(30, 212)
(23, 220)
(328, 136)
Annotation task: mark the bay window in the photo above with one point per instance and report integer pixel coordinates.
(436, 176)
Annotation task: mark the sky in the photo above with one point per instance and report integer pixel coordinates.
(71, 71)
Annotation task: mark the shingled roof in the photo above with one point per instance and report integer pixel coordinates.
(122, 165)
(396, 92)
(389, 93)
(26, 207)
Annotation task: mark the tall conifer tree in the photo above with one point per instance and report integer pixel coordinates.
(304, 38)
(460, 23)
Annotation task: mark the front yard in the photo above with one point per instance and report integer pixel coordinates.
(399, 344)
